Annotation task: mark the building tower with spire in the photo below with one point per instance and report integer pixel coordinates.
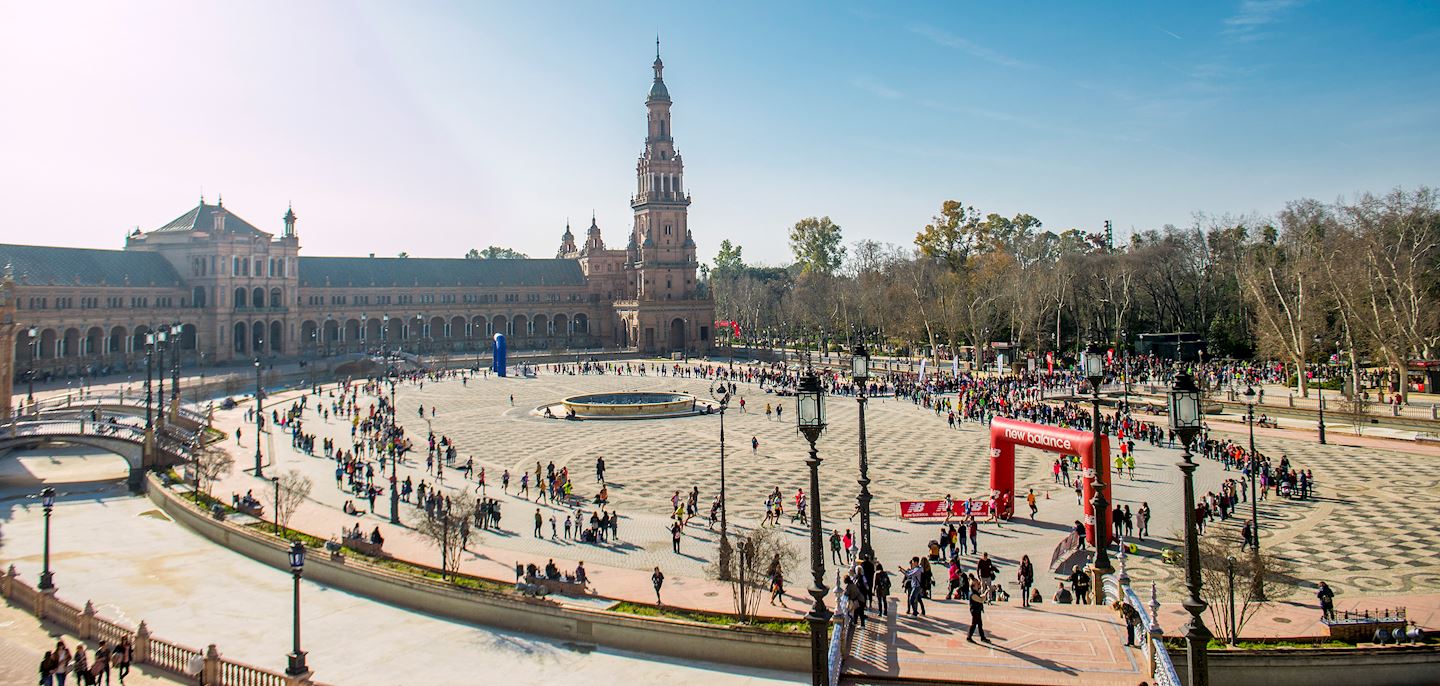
(671, 313)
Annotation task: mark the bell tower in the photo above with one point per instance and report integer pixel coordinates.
(663, 261)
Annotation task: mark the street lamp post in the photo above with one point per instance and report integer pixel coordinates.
(1095, 373)
(1254, 477)
(296, 657)
(394, 452)
(725, 549)
(1185, 421)
(860, 370)
(47, 579)
(176, 332)
(275, 484)
(149, 372)
(160, 340)
(1230, 576)
(259, 418)
(30, 371)
(810, 419)
(1320, 393)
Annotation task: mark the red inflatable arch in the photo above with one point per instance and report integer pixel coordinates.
(1005, 434)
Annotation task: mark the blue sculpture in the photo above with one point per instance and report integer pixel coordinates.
(499, 364)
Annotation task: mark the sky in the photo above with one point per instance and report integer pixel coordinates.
(435, 127)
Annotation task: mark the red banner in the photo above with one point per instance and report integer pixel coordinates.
(733, 326)
(935, 509)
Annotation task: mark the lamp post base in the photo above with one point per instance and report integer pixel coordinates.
(296, 665)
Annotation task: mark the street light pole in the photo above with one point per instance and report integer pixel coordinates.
(1230, 575)
(176, 332)
(296, 657)
(160, 339)
(30, 371)
(394, 453)
(1186, 423)
(860, 370)
(275, 483)
(725, 549)
(1254, 499)
(259, 419)
(1095, 373)
(47, 579)
(810, 418)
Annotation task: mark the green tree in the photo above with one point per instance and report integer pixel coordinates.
(817, 246)
(495, 252)
(728, 262)
(952, 235)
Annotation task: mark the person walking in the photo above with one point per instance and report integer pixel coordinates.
(882, 590)
(47, 669)
(777, 585)
(977, 615)
(657, 579)
(1030, 500)
(62, 662)
(1026, 578)
(539, 520)
(1142, 518)
(1327, 601)
(675, 536)
(835, 546)
(124, 655)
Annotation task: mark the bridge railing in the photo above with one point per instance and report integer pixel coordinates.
(1152, 639)
(189, 663)
(171, 440)
(110, 403)
(841, 630)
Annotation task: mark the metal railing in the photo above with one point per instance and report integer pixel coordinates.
(172, 657)
(1152, 639)
(841, 630)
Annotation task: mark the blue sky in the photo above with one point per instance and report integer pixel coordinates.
(435, 127)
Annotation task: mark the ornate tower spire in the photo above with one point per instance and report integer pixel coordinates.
(290, 221)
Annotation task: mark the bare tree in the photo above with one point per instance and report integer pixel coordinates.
(211, 463)
(1220, 562)
(450, 528)
(759, 552)
(288, 492)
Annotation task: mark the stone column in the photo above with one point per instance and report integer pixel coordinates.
(142, 644)
(212, 664)
(86, 630)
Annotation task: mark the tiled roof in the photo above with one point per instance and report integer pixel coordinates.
(41, 264)
(318, 272)
(202, 218)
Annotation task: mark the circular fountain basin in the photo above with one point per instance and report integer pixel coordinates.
(630, 404)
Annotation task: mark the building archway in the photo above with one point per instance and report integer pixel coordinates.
(241, 335)
(277, 337)
(677, 335)
(1005, 434)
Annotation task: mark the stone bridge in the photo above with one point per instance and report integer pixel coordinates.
(120, 435)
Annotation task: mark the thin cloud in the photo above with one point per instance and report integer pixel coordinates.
(1254, 16)
(875, 88)
(1171, 34)
(950, 40)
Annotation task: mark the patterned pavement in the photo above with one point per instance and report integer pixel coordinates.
(1390, 498)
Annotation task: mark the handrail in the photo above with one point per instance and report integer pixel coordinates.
(840, 635)
(148, 650)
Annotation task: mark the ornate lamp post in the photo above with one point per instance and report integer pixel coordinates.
(860, 370)
(259, 419)
(810, 419)
(30, 371)
(47, 579)
(1095, 372)
(160, 339)
(149, 372)
(297, 657)
(725, 550)
(1320, 396)
(394, 452)
(175, 333)
(1254, 476)
(419, 332)
(1185, 421)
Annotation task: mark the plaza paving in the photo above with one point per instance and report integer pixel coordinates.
(137, 564)
(1389, 496)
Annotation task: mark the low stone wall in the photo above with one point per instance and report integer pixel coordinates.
(1394, 666)
(670, 638)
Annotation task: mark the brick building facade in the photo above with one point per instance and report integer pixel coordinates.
(234, 291)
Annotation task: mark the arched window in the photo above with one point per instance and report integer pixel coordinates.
(239, 298)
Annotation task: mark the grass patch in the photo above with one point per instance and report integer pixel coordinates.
(1219, 644)
(206, 502)
(713, 618)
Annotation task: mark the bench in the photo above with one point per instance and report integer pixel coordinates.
(561, 586)
(365, 547)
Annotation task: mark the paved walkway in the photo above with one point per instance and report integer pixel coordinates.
(25, 639)
(913, 456)
(1059, 644)
(136, 564)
